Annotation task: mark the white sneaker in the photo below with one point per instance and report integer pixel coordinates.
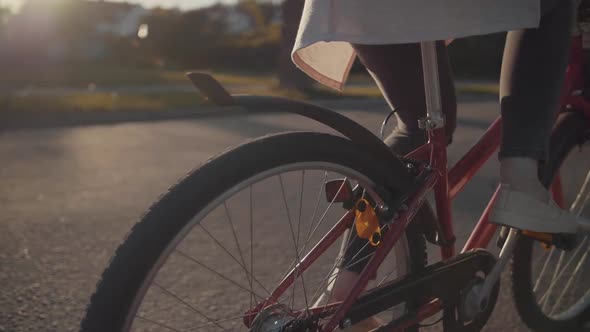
(519, 210)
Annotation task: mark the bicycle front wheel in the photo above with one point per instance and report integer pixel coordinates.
(222, 242)
(551, 286)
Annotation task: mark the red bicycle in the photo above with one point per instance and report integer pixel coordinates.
(255, 238)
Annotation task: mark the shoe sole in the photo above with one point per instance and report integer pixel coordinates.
(524, 223)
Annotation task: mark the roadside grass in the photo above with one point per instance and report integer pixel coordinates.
(360, 86)
(112, 102)
(478, 88)
(99, 101)
(115, 75)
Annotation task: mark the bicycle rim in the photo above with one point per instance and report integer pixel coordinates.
(162, 289)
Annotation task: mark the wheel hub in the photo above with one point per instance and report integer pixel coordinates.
(471, 304)
(474, 310)
(272, 319)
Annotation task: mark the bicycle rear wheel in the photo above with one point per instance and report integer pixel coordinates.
(551, 287)
(211, 252)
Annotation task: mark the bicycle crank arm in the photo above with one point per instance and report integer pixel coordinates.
(442, 280)
(477, 297)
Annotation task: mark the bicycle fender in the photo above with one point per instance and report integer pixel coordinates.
(352, 130)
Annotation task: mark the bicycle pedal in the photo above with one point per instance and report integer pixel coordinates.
(560, 241)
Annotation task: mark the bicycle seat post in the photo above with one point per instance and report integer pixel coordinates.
(434, 117)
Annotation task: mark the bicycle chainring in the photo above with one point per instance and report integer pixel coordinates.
(459, 318)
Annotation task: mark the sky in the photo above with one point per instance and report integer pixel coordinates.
(183, 4)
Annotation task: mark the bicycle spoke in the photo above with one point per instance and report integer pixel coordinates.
(300, 205)
(233, 230)
(170, 328)
(323, 280)
(350, 264)
(543, 269)
(315, 209)
(194, 260)
(250, 275)
(186, 304)
(310, 234)
(313, 227)
(586, 199)
(332, 276)
(213, 323)
(325, 212)
(294, 241)
(316, 227)
(329, 287)
(554, 280)
(583, 189)
(329, 275)
(332, 282)
(570, 281)
(252, 246)
(337, 262)
(388, 275)
(297, 243)
(209, 257)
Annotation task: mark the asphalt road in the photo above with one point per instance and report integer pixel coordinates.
(69, 195)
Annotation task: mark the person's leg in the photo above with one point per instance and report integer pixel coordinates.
(533, 71)
(397, 70)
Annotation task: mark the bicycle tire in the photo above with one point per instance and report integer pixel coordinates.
(137, 255)
(569, 131)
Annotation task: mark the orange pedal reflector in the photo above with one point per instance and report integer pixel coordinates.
(542, 237)
(366, 222)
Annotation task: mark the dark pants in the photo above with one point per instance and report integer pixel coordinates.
(533, 70)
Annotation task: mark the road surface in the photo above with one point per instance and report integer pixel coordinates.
(69, 195)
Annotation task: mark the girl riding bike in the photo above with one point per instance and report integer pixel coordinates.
(533, 70)
(311, 231)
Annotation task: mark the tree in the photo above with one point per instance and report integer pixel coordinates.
(4, 15)
(192, 38)
(255, 11)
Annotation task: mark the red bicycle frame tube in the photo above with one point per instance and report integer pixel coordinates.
(396, 230)
(450, 183)
(446, 186)
(459, 175)
(333, 234)
(485, 147)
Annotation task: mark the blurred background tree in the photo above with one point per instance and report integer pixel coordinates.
(4, 14)
(250, 36)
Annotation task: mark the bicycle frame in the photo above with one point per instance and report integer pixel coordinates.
(446, 183)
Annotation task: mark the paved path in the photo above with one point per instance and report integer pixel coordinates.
(69, 195)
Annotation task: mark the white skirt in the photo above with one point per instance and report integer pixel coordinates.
(322, 48)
